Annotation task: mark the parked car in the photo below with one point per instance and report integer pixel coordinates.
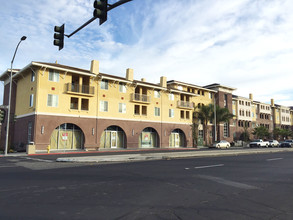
(290, 141)
(259, 143)
(274, 143)
(222, 144)
(285, 144)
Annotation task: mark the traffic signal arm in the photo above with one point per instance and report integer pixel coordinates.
(101, 9)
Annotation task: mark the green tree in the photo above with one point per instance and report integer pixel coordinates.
(277, 133)
(222, 115)
(286, 133)
(261, 132)
(204, 114)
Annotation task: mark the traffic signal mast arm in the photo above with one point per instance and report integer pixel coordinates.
(109, 7)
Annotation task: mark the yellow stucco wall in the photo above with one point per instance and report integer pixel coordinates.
(25, 88)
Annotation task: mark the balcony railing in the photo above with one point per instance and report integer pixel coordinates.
(183, 104)
(135, 97)
(82, 89)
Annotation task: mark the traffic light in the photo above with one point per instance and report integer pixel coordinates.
(101, 10)
(2, 115)
(59, 36)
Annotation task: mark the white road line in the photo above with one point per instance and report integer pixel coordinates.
(210, 166)
(6, 166)
(37, 159)
(272, 159)
(228, 182)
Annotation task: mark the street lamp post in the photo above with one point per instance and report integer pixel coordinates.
(9, 98)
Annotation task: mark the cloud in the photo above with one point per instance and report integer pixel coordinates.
(245, 44)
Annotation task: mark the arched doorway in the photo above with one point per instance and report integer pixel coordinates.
(177, 138)
(113, 137)
(148, 138)
(67, 137)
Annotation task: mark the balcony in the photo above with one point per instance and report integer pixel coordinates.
(135, 97)
(183, 104)
(80, 89)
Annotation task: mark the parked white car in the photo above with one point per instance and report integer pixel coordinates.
(274, 143)
(259, 143)
(222, 144)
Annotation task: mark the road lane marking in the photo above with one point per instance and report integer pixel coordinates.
(272, 159)
(228, 182)
(37, 159)
(209, 166)
(6, 166)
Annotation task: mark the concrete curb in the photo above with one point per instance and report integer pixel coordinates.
(168, 155)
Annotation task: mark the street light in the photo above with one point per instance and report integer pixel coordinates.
(9, 98)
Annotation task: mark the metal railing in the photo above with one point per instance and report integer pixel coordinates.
(83, 89)
(140, 97)
(184, 104)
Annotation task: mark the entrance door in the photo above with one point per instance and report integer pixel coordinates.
(177, 139)
(67, 137)
(113, 139)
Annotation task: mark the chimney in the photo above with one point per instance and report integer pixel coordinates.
(163, 81)
(143, 79)
(272, 103)
(129, 74)
(251, 96)
(95, 67)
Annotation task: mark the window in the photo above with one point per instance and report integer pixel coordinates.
(171, 113)
(226, 129)
(85, 104)
(53, 76)
(74, 103)
(171, 97)
(200, 133)
(31, 100)
(180, 88)
(122, 108)
(187, 114)
(144, 110)
(104, 84)
(137, 109)
(225, 100)
(157, 94)
(103, 106)
(157, 111)
(122, 87)
(182, 114)
(52, 100)
(33, 76)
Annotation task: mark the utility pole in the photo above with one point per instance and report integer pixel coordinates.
(9, 98)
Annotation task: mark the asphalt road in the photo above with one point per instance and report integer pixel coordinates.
(258, 186)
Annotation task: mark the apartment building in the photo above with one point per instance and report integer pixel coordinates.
(223, 98)
(250, 114)
(69, 108)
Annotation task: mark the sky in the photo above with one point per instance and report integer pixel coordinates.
(244, 44)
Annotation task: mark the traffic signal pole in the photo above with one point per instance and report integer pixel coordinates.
(109, 7)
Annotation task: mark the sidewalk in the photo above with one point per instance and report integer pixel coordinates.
(168, 155)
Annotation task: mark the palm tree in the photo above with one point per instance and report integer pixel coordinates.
(222, 115)
(204, 114)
